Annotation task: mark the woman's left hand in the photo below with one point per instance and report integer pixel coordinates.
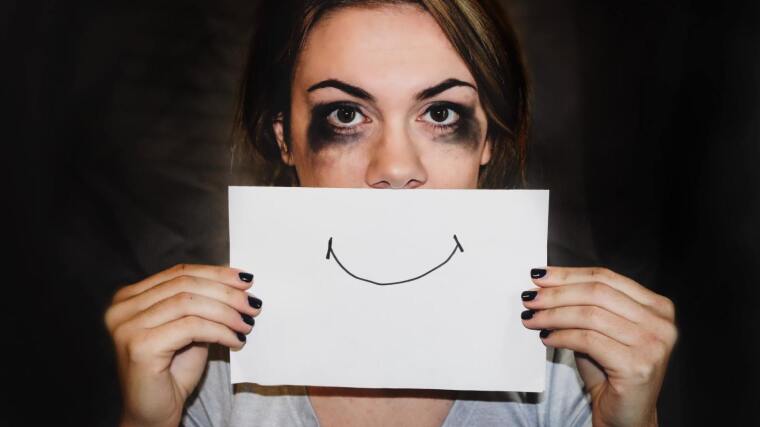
(622, 334)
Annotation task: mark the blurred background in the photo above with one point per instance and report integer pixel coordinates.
(117, 134)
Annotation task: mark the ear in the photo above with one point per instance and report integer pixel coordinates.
(278, 125)
(485, 155)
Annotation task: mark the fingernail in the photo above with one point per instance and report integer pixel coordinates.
(527, 314)
(544, 333)
(246, 277)
(240, 336)
(248, 319)
(528, 295)
(537, 273)
(254, 302)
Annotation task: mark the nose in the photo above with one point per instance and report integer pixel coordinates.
(396, 163)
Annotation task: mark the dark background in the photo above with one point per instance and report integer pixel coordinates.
(117, 146)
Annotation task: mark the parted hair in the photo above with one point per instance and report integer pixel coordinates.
(479, 30)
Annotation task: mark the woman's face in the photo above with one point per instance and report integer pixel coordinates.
(381, 99)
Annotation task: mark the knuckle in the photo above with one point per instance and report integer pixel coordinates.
(642, 371)
(184, 300)
(114, 317)
(138, 349)
(648, 339)
(185, 297)
(660, 350)
(591, 314)
(191, 322)
(120, 334)
(598, 290)
(669, 334)
(183, 269)
(543, 316)
(235, 297)
(585, 337)
(666, 307)
(219, 271)
(601, 273)
(546, 296)
(121, 294)
(109, 318)
(185, 281)
(657, 350)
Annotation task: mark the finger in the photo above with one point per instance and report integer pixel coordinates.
(235, 298)
(612, 355)
(157, 345)
(229, 276)
(186, 304)
(598, 294)
(585, 317)
(558, 276)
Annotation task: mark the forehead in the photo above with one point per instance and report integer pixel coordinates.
(391, 46)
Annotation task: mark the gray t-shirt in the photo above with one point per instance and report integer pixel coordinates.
(216, 403)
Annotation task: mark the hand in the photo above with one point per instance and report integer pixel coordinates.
(161, 328)
(621, 332)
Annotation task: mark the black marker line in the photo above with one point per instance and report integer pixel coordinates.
(454, 251)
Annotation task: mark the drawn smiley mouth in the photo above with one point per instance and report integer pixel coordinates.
(331, 253)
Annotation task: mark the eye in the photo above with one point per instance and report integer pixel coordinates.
(441, 115)
(345, 117)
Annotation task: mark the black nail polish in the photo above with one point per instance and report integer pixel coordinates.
(529, 295)
(248, 319)
(537, 273)
(246, 277)
(240, 336)
(527, 314)
(254, 302)
(544, 333)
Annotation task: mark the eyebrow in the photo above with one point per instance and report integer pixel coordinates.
(441, 87)
(363, 94)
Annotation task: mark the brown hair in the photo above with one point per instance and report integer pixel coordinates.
(479, 30)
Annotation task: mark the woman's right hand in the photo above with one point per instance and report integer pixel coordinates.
(161, 327)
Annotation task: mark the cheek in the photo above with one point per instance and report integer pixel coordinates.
(340, 167)
(337, 166)
(467, 135)
(452, 167)
(451, 161)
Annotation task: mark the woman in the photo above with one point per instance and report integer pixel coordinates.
(388, 94)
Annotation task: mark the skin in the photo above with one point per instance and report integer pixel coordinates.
(622, 333)
(392, 53)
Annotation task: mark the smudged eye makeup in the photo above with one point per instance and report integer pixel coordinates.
(343, 122)
(333, 123)
(451, 122)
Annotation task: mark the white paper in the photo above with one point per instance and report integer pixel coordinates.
(458, 327)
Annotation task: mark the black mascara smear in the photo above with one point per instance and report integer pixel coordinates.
(467, 129)
(320, 132)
